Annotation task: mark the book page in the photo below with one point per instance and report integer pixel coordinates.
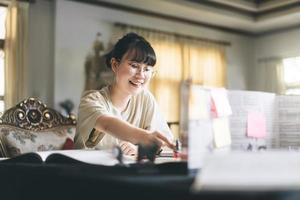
(99, 157)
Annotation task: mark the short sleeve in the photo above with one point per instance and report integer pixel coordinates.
(92, 105)
(154, 118)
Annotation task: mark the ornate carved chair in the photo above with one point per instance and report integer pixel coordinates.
(32, 126)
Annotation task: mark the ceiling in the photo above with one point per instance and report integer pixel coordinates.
(251, 17)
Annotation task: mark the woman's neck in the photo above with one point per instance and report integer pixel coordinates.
(118, 98)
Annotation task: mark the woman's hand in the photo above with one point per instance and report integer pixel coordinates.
(159, 139)
(127, 132)
(128, 148)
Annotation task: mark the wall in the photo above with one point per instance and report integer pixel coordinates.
(76, 25)
(281, 44)
(41, 49)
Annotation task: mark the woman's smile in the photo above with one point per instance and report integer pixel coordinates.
(136, 83)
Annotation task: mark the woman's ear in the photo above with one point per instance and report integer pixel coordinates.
(114, 64)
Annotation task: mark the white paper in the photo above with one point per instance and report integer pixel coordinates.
(199, 103)
(289, 121)
(282, 115)
(220, 99)
(273, 170)
(243, 102)
(200, 142)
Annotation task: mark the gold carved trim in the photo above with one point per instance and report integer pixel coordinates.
(32, 114)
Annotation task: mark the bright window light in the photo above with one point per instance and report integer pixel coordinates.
(292, 92)
(1, 107)
(291, 67)
(3, 11)
(1, 73)
(291, 70)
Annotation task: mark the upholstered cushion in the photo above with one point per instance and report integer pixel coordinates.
(18, 141)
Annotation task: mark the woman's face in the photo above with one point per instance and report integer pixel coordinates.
(131, 76)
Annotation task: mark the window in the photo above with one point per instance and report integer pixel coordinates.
(291, 70)
(3, 11)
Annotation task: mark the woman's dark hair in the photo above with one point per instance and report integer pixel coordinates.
(138, 48)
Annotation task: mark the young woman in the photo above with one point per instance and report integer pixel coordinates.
(124, 113)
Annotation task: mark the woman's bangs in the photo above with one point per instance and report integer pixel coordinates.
(142, 54)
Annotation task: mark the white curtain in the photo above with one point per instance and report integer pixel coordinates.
(16, 48)
(269, 76)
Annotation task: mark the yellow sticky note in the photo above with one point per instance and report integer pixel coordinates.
(221, 130)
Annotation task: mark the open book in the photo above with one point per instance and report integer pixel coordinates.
(98, 157)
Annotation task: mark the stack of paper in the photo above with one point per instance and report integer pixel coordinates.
(273, 170)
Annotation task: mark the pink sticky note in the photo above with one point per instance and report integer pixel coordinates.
(256, 126)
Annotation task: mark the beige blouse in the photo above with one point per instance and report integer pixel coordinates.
(142, 111)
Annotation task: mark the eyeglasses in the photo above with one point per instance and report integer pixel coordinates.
(136, 67)
(148, 71)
